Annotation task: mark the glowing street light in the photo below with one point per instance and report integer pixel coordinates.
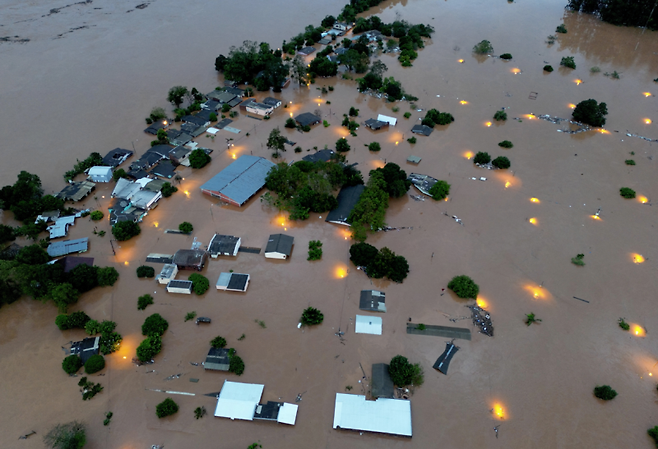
(461, 61)
(488, 124)
(578, 82)
(463, 102)
(533, 221)
(647, 121)
(535, 200)
(572, 106)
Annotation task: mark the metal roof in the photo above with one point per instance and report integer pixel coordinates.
(347, 199)
(372, 300)
(217, 359)
(225, 245)
(422, 129)
(238, 400)
(384, 415)
(240, 180)
(368, 325)
(279, 243)
(68, 247)
(381, 385)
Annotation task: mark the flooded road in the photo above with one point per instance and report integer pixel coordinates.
(89, 90)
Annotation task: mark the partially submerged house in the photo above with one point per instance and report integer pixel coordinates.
(279, 246)
(61, 226)
(347, 198)
(86, 348)
(180, 286)
(307, 119)
(443, 362)
(217, 360)
(224, 245)
(164, 169)
(385, 118)
(306, 51)
(57, 249)
(239, 400)
(354, 412)
(319, 156)
(372, 301)
(116, 157)
(422, 182)
(156, 126)
(423, 130)
(365, 324)
(100, 173)
(233, 282)
(271, 101)
(381, 384)
(260, 109)
(375, 124)
(145, 199)
(190, 259)
(179, 154)
(239, 181)
(167, 274)
(47, 216)
(152, 156)
(343, 26)
(76, 191)
(198, 121)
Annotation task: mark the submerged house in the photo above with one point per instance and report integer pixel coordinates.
(375, 124)
(443, 362)
(217, 360)
(224, 245)
(190, 259)
(279, 246)
(100, 173)
(319, 156)
(381, 384)
(307, 119)
(372, 301)
(239, 400)
(354, 412)
(365, 324)
(422, 182)
(57, 249)
(259, 109)
(116, 157)
(423, 130)
(271, 101)
(76, 191)
(240, 180)
(167, 274)
(86, 348)
(184, 287)
(347, 198)
(233, 282)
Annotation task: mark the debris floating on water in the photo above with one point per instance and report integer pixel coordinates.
(482, 320)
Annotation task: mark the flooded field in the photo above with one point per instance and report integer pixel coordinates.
(91, 72)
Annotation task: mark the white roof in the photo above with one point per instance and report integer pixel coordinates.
(61, 226)
(100, 170)
(238, 400)
(144, 198)
(212, 130)
(368, 325)
(287, 413)
(383, 415)
(385, 118)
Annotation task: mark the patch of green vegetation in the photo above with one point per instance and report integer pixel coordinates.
(144, 271)
(482, 158)
(623, 324)
(561, 28)
(604, 392)
(590, 112)
(404, 373)
(379, 263)
(578, 260)
(439, 190)
(218, 342)
(506, 56)
(506, 144)
(629, 162)
(374, 146)
(627, 192)
(595, 69)
(311, 316)
(548, 68)
(531, 318)
(166, 408)
(500, 116)
(314, 250)
(200, 283)
(483, 47)
(144, 301)
(412, 140)
(407, 114)
(190, 316)
(501, 162)
(568, 62)
(186, 227)
(464, 287)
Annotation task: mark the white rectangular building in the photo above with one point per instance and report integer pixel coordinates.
(100, 173)
(368, 325)
(238, 400)
(354, 412)
(385, 118)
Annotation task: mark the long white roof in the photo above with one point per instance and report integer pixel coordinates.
(366, 324)
(383, 415)
(238, 400)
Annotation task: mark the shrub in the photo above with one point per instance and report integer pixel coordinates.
(412, 140)
(501, 162)
(354, 112)
(568, 62)
(590, 112)
(168, 190)
(531, 318)
(298, 149)
(342, 146)
(144, 301)
(374, 146)
(404, 373)
(629, 162)
(604, 392)
(627, 192)
(407, 114)
(311, 316)
(236, 365)
(482, 157)
(653, 433)
(71, 364)
(548, 68)
(198, 158)
(314, 250)
(125, 230)
(218, 342)
(190, 316)
(107, 276)
(362, 254)
(290, 123)
(145, 271)
(92, 327)
(561, 29)
(186, 227)
(66, 436)
(595, 69)
(94, 364)
(149, 348)
(578, 260)
(440, 190)
(154, 325)
(464, 287)
(483, 48)
(505, 144)
(75, 320)
(325, 124)
(62, 322)
(200, 283)
(506, 56)
(623, 324)
(306, 128)
(166, 408)
(500, 116)
(96, 215)
(212, 117)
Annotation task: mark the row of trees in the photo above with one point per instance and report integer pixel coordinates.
(26, 200)
(637, 13)
(379, 263)
(153, 328)
(93, 160)
(255, 64)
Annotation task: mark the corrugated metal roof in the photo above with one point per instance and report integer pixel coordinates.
(68, 247)
(368, 325)
(238, 400)
(240, 180)
(279, 243)
(391, 416)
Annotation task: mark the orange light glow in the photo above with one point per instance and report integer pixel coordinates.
(445, 199)
(646, 94)
(126, 263)
(603, 131)
(639, 331)
(291, 114)
(461, 61)
(578, 82)
(507, 184)
(643, 199)
(396, 142)
(488, 124)
(535, 200)
(499, 411)
(341, 272)
(647, 121)
(468, 155)
(187, 193)
(481, 303)
(536, 291)
(516, 71)
(124, 356)
(463, 102)
(156, 224)
(638, 258)
(595, 217)
(533, 221)
(572, 106)
(233, 155)
(530, 116)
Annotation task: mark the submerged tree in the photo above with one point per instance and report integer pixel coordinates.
(590, 112)
(66, 436)
(276, 142)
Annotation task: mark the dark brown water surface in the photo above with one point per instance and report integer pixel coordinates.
(88, 90)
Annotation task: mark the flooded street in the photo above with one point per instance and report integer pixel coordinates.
(91, 72)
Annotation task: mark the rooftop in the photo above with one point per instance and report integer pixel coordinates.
(392, 416)
(224, 245)
(307, 119)
(116, 157)
(239, 181)
(217, 359)
(76, 191)
(347, 199)
(68, 247)
(372, 300)
(280, 244)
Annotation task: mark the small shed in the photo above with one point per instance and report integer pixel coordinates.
(217, 359)
(422, 130)
(372, 301)
(190, 259)
(100, 173)
(86, 348)
(414, 159)
(168, 273)
(307, 119)
(233, 282)
(179, 287)
(385, 118)
(279, 246)
(375, 124)
(224, 245)
(381, 385)
(368, 325)
(443, 362)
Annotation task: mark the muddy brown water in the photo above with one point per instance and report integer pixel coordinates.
(89, 89)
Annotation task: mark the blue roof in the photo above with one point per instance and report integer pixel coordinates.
(240, 180)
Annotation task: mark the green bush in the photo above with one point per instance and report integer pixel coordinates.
(125, 230)
(154, 325)
(501, 162)
(71, 364)
(354, 112)
(325, 124)
(314, 250)
(236, 365)
(379, 264)
(595, 69)
(186, 227)
(506, 144)
(578, 260)
(440, 190)
(482, 158)
(561, 29)
(94, 364)
(627, 192)
(464, 287)
(483, 47)
(342, 146)
(168, 190)
(166, 408)
(107, 276)
(200, 283)
(506, 56)
(500, 116)
(404, 373)
(407, 114)
(306, 128)
(198, 158)
(623, 324)
(149, 348)
(653, 432)
(96, 215)
(374, 146)
(75, 320)
(145, 271)
(590, 112)
(311, 316)
(604, 392)
(629, 162)
(144, 301)
(568, 62)
(218, 342)
(548, 68)
(190, 316)
(92, 327)
(62, 322)
(412, 140)
(290, 123)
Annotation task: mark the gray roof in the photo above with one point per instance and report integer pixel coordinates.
(347, 199)
(372, 300)
(164, 169)
(375, 124)
(381, 385)
(86, 348)
(238, 282)
(306, 51)
(217, 359)
(116, 157)
(195, 120)
(224, 245)
(75, 191)
(187, 285)
(322, 155)
(307, 119)
(271, 101)
(240, 180)
(190, 258)
(68, 247)
(279, 243)
(443, 362)
(422, 129)
(234, 90)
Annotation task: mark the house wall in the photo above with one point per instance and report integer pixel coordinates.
(260, 111)
(275, 255)
(221, 197)
(179, 290)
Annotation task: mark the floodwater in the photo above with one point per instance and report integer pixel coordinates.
(89, 89)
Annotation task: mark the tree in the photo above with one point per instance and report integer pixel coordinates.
(144, 301)
(567, 61)
(145, 271)
(500, 116)
(374, 146)
(354, 112)
(186, 227)
(66, 436)
(236, 365)
(482, 157)
(311, 316)
(149, 348)
(176, 95)
(506, 56)
(290, 123)
(440, 190)
(298, 69)
(342, 146)
(94, 364)
(154, 325)
(276, 141)
(464, 287)
(314, 250)
(157, 113)
(166, 408)
(32, 255)
(395, 179)
(6, 234)
(378, 68)
(506, 144)
(119, 173)
(96, 215)
(653, 433)
(63, 295)
(168, 190)
(404, 373)
(321, 66)
(218, 342)
(548, 68)
(107, 276)
(483, 47)
(198, 158)
(501, 162)
(200, 283)
(125, 230)
(83, 277)
(71, 364)
(590, 112)
(604, 392)
(627, 192)
(362, 254)
(328, 21)
(75, 320)
(531, 318)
